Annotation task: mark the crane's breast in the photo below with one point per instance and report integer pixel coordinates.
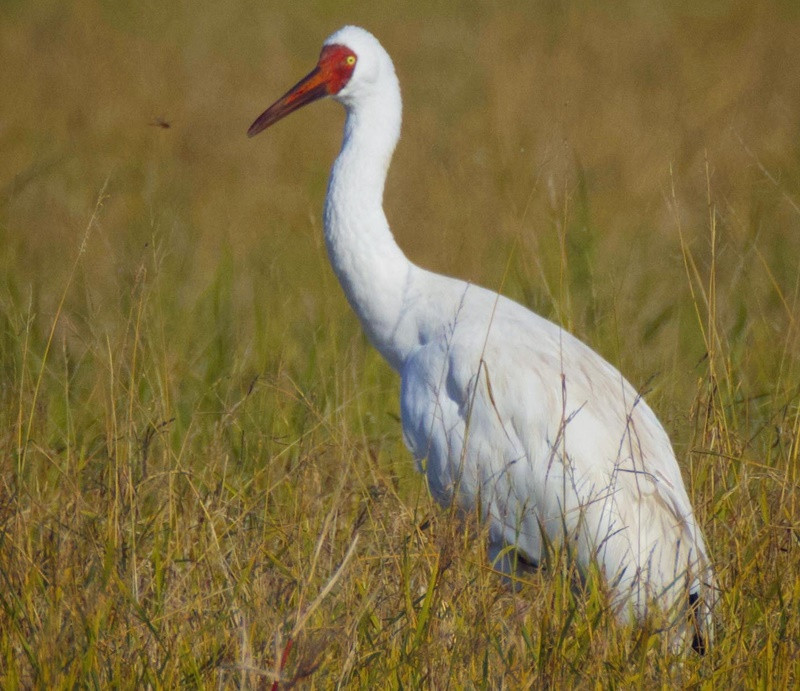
(453, 418)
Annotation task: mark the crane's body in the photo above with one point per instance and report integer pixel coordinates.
(504, 409)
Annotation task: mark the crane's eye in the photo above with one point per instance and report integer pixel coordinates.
(350, 60)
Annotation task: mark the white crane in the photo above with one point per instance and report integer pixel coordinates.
(506, 411)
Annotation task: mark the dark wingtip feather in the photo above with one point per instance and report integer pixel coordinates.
(698, 640)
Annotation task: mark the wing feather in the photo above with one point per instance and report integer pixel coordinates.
(550, 440)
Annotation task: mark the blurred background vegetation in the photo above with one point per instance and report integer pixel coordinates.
(192, 416)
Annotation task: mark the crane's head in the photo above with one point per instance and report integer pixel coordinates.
(350, 67)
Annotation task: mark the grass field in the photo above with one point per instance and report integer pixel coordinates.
(203, 479)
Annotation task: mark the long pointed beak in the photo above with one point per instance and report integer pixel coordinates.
(310, 88)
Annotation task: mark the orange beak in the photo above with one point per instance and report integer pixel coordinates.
(311, 88)
(332, 72)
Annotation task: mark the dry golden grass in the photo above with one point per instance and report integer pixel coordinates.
(203, 480)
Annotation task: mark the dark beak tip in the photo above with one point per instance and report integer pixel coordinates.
(255, 128)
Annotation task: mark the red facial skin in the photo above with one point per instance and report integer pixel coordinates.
(334, 69)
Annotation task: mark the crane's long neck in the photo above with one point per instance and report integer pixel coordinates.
(376, 276)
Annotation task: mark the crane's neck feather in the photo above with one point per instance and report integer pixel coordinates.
(375, 274)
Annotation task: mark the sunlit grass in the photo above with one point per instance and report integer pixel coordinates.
(203, 478)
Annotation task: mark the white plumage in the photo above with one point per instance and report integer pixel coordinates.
(505, 410)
